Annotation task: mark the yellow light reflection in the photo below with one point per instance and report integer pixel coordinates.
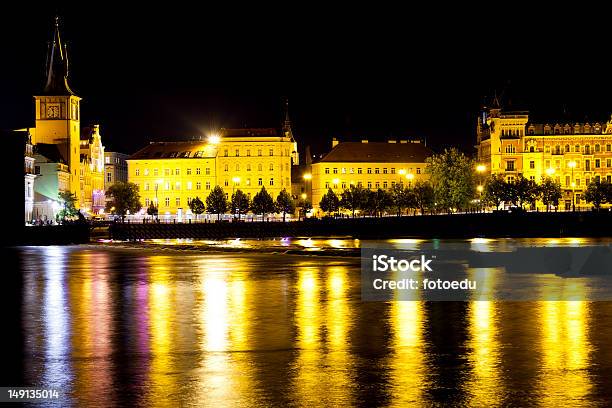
(566, 351)
(485, 384)
(408, 365)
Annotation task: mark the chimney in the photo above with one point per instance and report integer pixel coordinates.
(392, 141)
(364, 140)
(334, 142)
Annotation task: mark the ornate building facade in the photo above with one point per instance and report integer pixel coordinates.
(573, 154)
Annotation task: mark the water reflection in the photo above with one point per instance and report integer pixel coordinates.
(143, 329)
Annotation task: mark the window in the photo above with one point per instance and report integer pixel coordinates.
(137, 171)
(531, 149)
(327, 185)
(377, 185)
(225, 153)
(248, 167)
(167, 201)
(369, 170)
(146, 186)
(376, 171)
(167, 186)
(335, 170)
(359, 170)
(567, 148)
(146, 172)
(532, 164)
(352, 171)
(609, 179)
(344, 185)
(248, 182)
(369, 185)
(510, 179)
(597, 148)
(208, 185)
(418, 170)
(259, 167)
(567, 181)
(597, 163)
(177, 185)
(272, 181)
(198, 185)
(327, 170)
(271, 167)
(392, 170)
(248, 153)
(587, 149)
(608, 148)
(259, 152)
(335, 186)
(532, 179)
(109, 177)
(271, 153)
(359, 184)
(226, 167)
(147, 202)
(197, 170)
(237, 152)
(587, 165)
(260, 181)
(577, 148)
(608, 162)
(237, 167)
(384, 184)
(510, 165)
(156, 172)
(344, 170)
(385, 170)
(226, 183)
(189, 185)
(207, 171)
(578, 182)
(177, 172)
(189, 172)
(511, 149)
(178, 201)
(166, 172)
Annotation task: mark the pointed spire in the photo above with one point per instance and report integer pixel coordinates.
(287, 123)
(57, 66)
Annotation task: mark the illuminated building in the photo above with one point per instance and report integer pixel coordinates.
(52, 178)
(92, 170)
(172, 173)
(78, 153)
(573, 154)
(29, 177)
(371, 165)
(115, 169)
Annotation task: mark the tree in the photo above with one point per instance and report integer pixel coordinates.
(550, 192)
(330, 202)
(284, 203)
(196, 205)
(304, 206)
(152, 209)
(597, 193)
(423, 196)
(452, 178)
(68, 211)
(400, 198)
(378, 201)
(124, 198)
(262, 203)
(522, 191)
(353, 199)
(240, 203)
(495, 191)
(216, 203)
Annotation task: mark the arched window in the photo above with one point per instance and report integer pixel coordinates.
(531, 149)
(567, 148)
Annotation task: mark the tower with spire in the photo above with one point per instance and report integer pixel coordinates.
(58, 110)
(288, 132)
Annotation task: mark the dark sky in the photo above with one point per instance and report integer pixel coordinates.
(160, 74)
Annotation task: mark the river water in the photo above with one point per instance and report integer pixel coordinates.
(157, 327)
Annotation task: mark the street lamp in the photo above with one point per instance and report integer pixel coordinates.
(157, 183)
(572, 164)
(550, 171)
(409, 177)
(481, 168)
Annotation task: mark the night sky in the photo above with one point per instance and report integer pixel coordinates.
(378, 74)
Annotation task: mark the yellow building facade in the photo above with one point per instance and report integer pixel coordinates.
(371, 165)
(173, 173)
(573, 154)
(91, 175)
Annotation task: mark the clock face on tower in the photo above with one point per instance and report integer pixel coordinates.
(53, 111)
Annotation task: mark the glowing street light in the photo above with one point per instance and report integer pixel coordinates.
(481, 168)
(307, 176)
(214, 138)
(402, 171)
(480, 188)
(303, 196)
(336, 181)
(236, 180)
(409, 176)
(550, 171)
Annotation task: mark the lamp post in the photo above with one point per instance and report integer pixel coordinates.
(235, 181)
(572, 164)
(157, 183)
(409, 177)
(401, 173)
(480, 169)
